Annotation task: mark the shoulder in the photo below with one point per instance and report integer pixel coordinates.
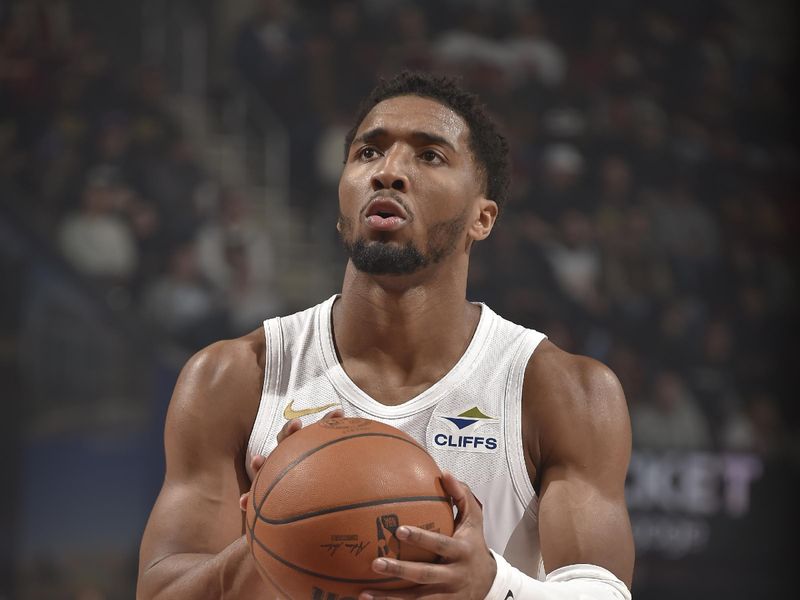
(578, 381)
(219, 388)
(227, 361)
(573, 402)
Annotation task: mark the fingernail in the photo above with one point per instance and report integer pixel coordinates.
(380, 565)
(366, 596)
(402, 533)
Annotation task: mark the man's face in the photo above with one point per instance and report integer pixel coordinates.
(408, 188)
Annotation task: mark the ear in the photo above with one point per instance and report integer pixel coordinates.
(485, 214)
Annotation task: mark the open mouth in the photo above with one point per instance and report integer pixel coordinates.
(385, 208)
(385, 214)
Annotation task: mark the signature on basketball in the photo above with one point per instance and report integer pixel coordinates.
(354, 548)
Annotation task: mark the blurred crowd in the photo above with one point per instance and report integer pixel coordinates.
(654, 168)
(91, 156)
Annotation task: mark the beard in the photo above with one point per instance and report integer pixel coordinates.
(380, 257)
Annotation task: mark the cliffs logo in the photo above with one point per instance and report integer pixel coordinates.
(468, 432)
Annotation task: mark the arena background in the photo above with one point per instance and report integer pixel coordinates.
(168, 177)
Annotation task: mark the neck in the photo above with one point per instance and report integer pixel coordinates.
(409, 329)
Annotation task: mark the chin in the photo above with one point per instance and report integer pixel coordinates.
(386, 258)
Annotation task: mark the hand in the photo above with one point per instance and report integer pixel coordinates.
(467, 569)
(288, 429)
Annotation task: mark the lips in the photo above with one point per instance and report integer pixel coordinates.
(385, 214)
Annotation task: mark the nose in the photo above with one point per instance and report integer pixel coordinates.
(391, 172)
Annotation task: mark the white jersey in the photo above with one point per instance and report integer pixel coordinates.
(469, 421)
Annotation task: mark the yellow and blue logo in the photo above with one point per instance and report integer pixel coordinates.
(463, 432)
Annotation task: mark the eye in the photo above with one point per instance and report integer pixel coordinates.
(431, 156)
(367, 153)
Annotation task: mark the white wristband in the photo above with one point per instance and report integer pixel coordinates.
(573, 582)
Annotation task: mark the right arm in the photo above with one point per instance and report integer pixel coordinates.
(193, 546)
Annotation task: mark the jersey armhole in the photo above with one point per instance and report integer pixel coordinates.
(273, 334)
(515, 456)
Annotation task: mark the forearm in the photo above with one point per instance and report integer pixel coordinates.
(575, 582)
(231, 574)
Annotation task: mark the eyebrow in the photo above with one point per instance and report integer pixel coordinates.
(419, 137)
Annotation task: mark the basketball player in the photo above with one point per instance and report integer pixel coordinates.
(540, 438)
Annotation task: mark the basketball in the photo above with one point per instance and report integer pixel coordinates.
(328, 501)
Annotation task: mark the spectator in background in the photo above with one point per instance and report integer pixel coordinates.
(671, 419)
(712, 374)
(97, 239)
(615, 190)
(269, 51)
(532, 54)
(757, 427)
(112, 142)
(561, 183)
(183, 305)
(173, 180)
(33, 45)
(235, 254)
(468, 45)
(413, 47)
(150, 124)
(636, 277)
(575, 260)
(688, 233)
(277, 53)
(679, 320)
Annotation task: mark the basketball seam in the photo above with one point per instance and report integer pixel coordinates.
(308, 453)
(321, 575)
(327, 511)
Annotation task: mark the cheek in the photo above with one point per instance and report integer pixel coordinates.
(452, 194)
(347, 188)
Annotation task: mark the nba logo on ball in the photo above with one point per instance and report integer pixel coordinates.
(388, 545)
(470, 431)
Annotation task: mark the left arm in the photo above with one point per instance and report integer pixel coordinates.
(583, 442)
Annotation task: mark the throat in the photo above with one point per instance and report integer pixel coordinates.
(394, 361)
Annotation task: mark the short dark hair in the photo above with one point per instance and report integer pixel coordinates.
(488, 146)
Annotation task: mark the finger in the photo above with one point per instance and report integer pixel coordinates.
(336, 413)
(470, 513)
(418, 572)
(439, 544)
(257, 462)
(292, 426)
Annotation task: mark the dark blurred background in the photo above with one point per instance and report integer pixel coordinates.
(168, 175)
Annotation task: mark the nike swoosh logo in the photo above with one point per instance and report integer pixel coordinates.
(289, 413)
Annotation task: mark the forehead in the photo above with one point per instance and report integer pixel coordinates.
(407, 114)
